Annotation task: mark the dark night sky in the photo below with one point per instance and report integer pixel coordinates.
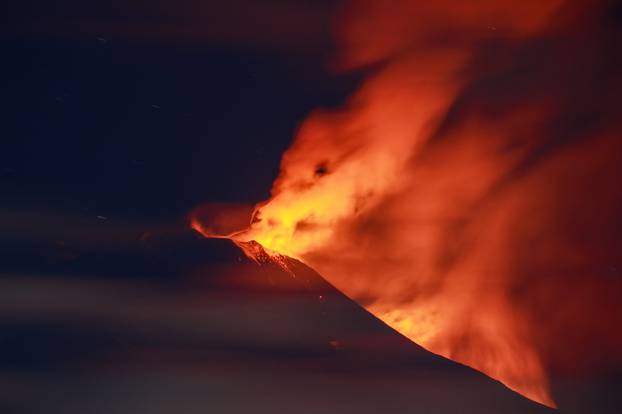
(101, 119)
(119, 118)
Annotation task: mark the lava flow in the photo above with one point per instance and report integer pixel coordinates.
(463, 195)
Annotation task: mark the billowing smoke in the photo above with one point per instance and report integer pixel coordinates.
(469, 193)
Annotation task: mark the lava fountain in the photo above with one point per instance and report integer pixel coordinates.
(463, 195)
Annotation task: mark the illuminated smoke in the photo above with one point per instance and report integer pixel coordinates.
(465, 194)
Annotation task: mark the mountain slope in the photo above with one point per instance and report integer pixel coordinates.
(215, 332)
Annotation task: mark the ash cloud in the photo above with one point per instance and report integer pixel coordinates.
(473, 201)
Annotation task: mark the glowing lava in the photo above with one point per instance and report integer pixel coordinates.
(438, 197)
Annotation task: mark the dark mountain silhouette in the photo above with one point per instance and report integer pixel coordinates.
(178, 323)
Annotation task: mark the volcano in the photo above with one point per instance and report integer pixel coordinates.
(202, 328)
(442, 233)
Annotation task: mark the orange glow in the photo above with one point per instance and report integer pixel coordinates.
(419, 199)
